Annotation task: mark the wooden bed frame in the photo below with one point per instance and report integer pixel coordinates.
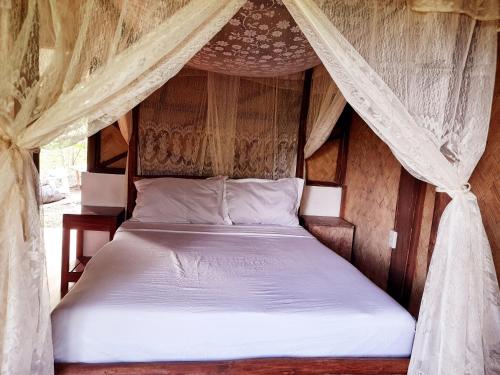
(259, 366)
(268, 366)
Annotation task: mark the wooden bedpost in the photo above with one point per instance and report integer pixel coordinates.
(132, 162)
(304, 110)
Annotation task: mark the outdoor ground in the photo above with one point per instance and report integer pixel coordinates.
(52, 221)
(61, 166)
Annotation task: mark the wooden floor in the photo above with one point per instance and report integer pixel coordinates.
(271, 366)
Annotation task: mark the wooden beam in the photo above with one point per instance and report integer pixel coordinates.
(106, 163)
(93, 151)
(409, 210)
(304, 110)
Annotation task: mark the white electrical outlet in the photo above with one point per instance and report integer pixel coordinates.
(393, 239)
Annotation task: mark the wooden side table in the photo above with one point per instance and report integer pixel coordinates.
(333, 232)
(106, 219)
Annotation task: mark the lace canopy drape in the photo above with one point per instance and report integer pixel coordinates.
(326, 104)
(67, 69)
(261, 40)
(430, 102)
(422, 81)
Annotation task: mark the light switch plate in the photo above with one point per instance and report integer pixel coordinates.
(393, 239)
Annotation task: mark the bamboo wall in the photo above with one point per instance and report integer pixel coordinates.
(371, 184)
(485, 183)
(321, 166)
(485, 180)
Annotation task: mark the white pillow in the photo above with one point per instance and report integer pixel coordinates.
(181, 200)
(254, 201)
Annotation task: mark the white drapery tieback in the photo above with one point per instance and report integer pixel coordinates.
(14, 160)
(6, 141)
(464, 189)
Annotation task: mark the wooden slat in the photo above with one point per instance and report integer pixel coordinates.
(272, 366)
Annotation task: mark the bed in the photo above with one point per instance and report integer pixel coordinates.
(226, 297)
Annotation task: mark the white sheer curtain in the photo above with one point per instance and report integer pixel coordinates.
(424, 84)
(325, 107)
(222, 113)
(68, 69)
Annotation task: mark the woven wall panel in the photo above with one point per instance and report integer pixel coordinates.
(322, 165)
(485, 180)
(372, 182)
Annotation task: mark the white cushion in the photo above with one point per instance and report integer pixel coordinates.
(254, 201)
(180, 200)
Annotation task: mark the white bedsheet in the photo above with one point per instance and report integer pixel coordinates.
(164, 292)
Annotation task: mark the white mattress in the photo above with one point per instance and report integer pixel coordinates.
(162, 292)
